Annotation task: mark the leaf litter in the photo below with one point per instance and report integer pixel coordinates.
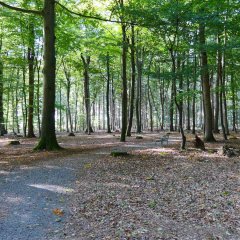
(158, 194)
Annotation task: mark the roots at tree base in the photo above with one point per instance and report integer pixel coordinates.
(49, 144)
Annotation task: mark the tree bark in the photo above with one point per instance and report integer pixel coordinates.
(149, 96)
(108, 95)
(220, 77)
(188, 106)
(139, 90)
(24, 105)
(86, 62)
(208, 135)
(217, 97)
(194, 97)
(31, 58)
(233, 98)
(68, 78)
(48, 138)
(171, 113)
(133, 66)
(124, 83)
(2, 125)
(178, 103)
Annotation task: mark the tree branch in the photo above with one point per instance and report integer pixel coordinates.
(21, 9)
(92, 17)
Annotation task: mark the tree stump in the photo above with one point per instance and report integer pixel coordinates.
(198, 143)
(71, 134)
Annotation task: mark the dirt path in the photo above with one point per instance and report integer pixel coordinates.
(29, 194)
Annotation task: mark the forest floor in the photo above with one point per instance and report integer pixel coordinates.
(156, 192)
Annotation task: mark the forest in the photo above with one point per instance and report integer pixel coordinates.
(130, 81)
(145, 65)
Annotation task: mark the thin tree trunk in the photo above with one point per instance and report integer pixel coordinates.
(217, 98)
(113, 107)
(68, 78)
(149, 96)
(38, 98)
(108, 95)
(188, 106)
(225, 110)
(31, 58)
(178, 104)
(133, 66)
(124, 82)
(139, 90)
(25, 109)
(16, 103)
(2, 124)
(234, 110)
(194, 97)
(171, 113)
(220, 77)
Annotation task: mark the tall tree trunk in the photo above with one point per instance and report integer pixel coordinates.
(133, 66)
(171, 113)
(217, 95)
(194, 97)
(139, 90)
(31, 58)
(162, 97)
(224, 79)
(113, 106)
(178, 103)
(149, 96)
(180, 100)
(68, 78)
(38, 98)
(17, 102)
(234, 110)
(76, 109)
(208, 135)
(25, 108)
(2, 125)
(86, 63)
(108, 94)
(124, 82)
(220, 77)
(48, 138)
(188, 106)
(225, 110)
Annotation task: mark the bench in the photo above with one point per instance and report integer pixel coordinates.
(163, 139)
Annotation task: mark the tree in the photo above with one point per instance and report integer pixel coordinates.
(2, 126)
(208, 133)
(86, 63)
(48, 138)
(31, 59)
(107, 95)
(133, 75)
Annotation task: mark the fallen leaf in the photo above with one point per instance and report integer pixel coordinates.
(58, 212)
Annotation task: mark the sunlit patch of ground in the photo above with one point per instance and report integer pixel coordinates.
(53, 188)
